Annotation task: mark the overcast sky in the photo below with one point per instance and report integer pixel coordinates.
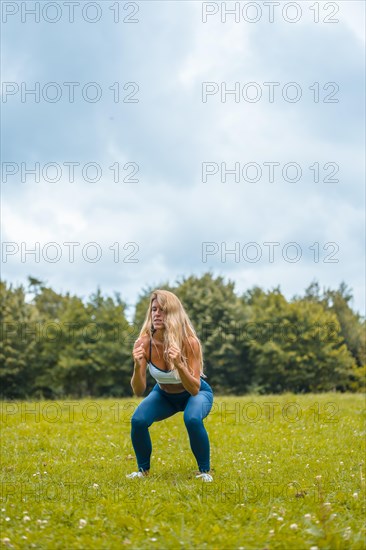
(169, 133)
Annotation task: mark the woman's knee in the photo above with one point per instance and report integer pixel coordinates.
(139, 420)
(192, 422)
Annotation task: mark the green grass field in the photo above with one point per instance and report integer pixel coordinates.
(288, 474)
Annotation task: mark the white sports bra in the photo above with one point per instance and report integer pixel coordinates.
(163, 376)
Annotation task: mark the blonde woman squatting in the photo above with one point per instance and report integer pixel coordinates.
(169, 348)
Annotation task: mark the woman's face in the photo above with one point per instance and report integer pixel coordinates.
(157, 315)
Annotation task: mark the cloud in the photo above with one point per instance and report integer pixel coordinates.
(170, 132)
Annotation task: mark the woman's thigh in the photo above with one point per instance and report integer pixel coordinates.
(199, 405)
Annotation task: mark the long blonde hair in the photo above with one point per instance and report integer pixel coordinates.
(178, 327)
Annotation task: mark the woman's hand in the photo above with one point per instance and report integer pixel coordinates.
(175, 356)
(139, 352)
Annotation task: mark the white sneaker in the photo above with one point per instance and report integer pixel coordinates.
(135, 474)
(204, 476)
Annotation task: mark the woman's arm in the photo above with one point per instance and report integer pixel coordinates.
(191, 382)
(138, 380)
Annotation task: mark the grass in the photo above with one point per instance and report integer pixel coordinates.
(288, 474)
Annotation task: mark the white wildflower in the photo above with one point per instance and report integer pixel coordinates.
(293, 526)
(82, 523)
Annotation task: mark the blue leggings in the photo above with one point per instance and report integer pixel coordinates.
(159, 405)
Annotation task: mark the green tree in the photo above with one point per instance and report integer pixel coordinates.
(96, 358)
(51, 339)
(218, 317)
(352, 325)
(353, 330)
(17, 343)
(53, 345)
(296, 346)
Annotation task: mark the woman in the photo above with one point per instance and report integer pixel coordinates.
(169, 347)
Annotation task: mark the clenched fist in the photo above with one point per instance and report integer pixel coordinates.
(175, 355)
(139, 352)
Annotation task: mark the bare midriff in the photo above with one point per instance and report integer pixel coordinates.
(172, 388)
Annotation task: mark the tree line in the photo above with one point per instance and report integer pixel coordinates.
(56, 345)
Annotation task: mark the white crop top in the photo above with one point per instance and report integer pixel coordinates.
(163, 376)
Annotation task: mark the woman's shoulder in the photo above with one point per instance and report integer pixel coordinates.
(193, 344)
(145, 339)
